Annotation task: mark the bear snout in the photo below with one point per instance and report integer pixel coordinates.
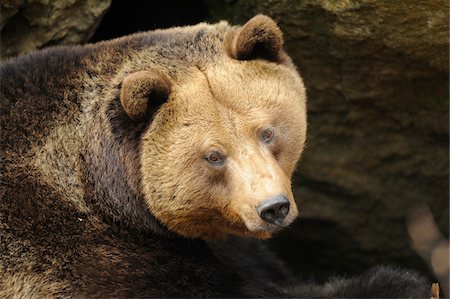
(265, 217)
(274, 210)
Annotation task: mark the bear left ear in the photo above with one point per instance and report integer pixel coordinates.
(260, 37)
(143, 92)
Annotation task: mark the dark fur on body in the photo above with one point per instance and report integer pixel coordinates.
(73, 220)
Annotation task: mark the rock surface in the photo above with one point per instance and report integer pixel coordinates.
(376, 73)
(31, 24)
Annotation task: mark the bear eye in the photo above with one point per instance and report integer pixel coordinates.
(215, 158)
(267, 135)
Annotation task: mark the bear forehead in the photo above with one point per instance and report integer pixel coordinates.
(228, 103)
(252, 90)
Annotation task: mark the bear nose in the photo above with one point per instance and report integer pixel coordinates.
(274, 210)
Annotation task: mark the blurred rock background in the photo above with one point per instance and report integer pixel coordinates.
(32, 24)
(377, 76)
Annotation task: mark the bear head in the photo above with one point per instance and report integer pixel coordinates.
(223, 138)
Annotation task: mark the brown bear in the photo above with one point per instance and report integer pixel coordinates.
(150, 165)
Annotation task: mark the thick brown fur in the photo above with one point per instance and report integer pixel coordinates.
(105, 189)
(259, 37)
(102, 166)
(139, 88)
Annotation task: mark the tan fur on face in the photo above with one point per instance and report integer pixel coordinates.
(224, 107)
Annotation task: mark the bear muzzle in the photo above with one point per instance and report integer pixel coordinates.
(274, 210)
(267, 217)
(262, 196)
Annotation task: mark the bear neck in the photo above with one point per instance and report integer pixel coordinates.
(111, 176)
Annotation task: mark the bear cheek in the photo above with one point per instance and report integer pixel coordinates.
(195, 213)
(200, 223)
(188, 219)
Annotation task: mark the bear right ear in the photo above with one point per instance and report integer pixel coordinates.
(260, 37)
(142, 91)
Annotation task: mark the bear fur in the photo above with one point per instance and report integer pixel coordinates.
(132, 168)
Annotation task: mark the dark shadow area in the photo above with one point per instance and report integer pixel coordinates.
(317, 249)
(124, 17)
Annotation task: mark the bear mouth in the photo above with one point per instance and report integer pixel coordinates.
(257, 224)
(271, 227)
(266, 229)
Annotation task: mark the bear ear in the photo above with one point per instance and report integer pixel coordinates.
(143, 92)
(260, 37)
